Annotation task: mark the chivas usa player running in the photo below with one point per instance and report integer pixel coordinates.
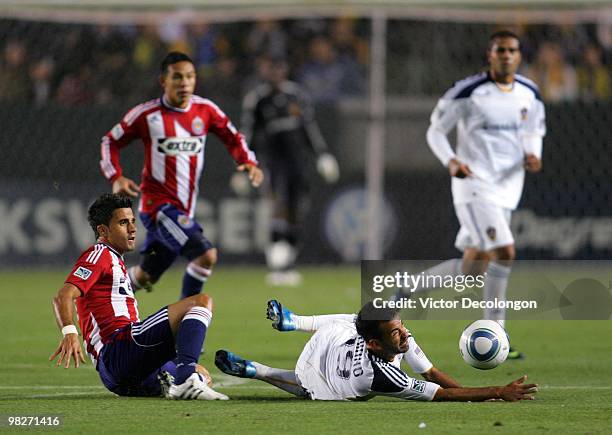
(173, 129)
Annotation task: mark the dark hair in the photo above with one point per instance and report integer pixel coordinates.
(101, 211)
(369, 319)
(502, 34)
(172, 58)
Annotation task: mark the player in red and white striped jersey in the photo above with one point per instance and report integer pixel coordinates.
(173, 130)
(156, 356)
(101, 312)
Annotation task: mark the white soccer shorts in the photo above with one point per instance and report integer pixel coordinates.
(484, 226)
(310, 367)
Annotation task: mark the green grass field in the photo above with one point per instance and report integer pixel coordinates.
(570, 360)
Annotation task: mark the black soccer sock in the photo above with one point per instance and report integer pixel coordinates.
(194, 279)
(189, 341)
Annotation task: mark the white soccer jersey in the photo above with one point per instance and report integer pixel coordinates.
(495, 128)
(335, 365)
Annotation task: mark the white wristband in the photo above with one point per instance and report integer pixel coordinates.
(69, 329)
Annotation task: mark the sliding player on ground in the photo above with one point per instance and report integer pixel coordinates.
(358, 357)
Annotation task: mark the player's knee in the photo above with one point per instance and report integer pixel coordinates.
(504, 254)
(203, 300)
(475, 262)
(207, 259)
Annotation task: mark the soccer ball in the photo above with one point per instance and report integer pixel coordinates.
(484, 344)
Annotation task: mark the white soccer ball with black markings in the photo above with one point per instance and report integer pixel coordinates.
(484, 344)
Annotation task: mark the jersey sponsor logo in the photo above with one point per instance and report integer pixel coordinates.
(197, 126)
(492, 233)
(418, 386)
(117, 132)
(501, 127)
(173, 146)
(82, 273)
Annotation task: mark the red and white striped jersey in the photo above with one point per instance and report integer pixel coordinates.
(107, 301)
(174, 141)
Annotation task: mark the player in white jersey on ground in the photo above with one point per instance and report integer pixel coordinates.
(499, 116)
(358, 357)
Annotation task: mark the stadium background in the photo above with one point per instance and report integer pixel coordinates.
(70, 69)
(67, 76)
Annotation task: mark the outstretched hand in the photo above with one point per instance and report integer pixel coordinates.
(255, 174)
(69, 348)
(126, 186)
(518, 390)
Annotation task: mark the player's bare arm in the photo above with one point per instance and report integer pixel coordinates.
(126, 186)
(532, 163)
(255, 174)
(458, 169)
(69, 347)
(439, 377)
(514, 391)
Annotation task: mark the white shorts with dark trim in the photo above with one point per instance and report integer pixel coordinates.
(484, 226)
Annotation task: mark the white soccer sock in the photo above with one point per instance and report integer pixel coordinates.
(495, 286)
(280, 378)
(447, 268)
(198, 272)
(313, 323)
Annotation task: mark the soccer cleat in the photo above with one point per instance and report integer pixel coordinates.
(515, 354)
(282, 318)
(232, 364)
(194, 388)
(166, 380)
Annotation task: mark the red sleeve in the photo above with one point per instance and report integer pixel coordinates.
(88, 269)
(118, 137)
(234, 141)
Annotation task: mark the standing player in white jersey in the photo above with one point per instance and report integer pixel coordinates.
(173, 130)
(358, 357)
(157, 356)
(499, 116)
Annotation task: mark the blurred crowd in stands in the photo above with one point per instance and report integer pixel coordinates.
(104, 65)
